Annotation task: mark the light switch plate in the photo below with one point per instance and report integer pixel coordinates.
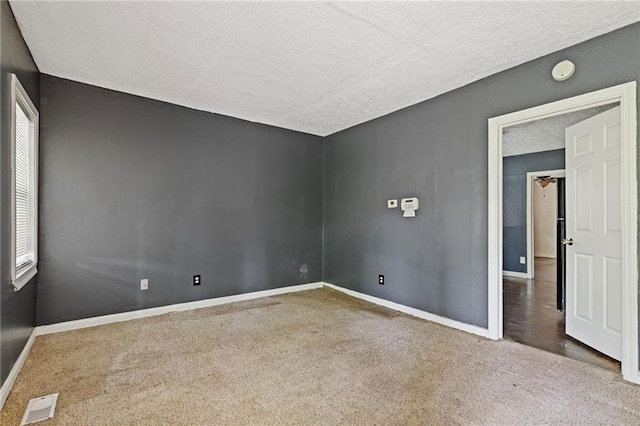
(523, 261)
(144, 284)
(392, 204)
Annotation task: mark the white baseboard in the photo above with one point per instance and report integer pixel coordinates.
(150, 312)
(474, 329)
(13, 374)
(515, 274)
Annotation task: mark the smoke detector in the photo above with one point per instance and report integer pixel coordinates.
(563, 70)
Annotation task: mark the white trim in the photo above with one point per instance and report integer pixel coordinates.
(630, 329)
(18, 94)
(150, 312)
(515, 274)
(24, 277)
(625, 94)
(530, 177)
(474, 329)
(13, 374)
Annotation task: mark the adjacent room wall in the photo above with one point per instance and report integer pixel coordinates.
(133, 188)
(545, 220)
(437, 151)
(17, 309)
(514, 201)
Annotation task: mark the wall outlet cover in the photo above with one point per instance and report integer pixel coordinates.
(196, 280)
(523, 260)
(381, 279)
(144, 284)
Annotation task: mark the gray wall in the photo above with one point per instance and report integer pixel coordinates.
(133, 188)
(514, 201)
(17, 309)
(437, 151)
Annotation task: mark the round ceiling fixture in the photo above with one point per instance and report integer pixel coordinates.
(563, 70)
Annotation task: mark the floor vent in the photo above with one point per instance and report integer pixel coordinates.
(40, 409)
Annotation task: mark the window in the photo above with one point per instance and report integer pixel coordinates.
(24, 186)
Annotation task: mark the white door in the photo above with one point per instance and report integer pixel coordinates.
(594, 223)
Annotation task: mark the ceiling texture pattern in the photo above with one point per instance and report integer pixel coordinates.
(315, 67)
(546, 134)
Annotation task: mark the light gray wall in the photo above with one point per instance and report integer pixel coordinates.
(514, 201)
(17, 309)
(133, 188)
(437, 151)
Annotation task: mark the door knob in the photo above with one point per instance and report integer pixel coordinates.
(567, 242)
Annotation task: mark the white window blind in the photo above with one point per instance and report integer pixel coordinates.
(24, 186)
(24, 190)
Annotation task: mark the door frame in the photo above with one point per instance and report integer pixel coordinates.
(626, 95)
(560, 173)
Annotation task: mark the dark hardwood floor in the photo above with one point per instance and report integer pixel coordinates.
(531, 317)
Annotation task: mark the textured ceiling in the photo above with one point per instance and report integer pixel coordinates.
(546, 134)
(315, 67)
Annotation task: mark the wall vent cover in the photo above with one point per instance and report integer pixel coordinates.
(40, 409)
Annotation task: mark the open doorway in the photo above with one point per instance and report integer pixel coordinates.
(534, 299)
(600, 242)
(546, 228)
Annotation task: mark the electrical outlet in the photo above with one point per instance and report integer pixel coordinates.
(196, 280)
(381, 279)
(523, 260)
(144, 284)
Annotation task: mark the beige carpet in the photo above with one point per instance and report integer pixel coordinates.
(316, 357)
